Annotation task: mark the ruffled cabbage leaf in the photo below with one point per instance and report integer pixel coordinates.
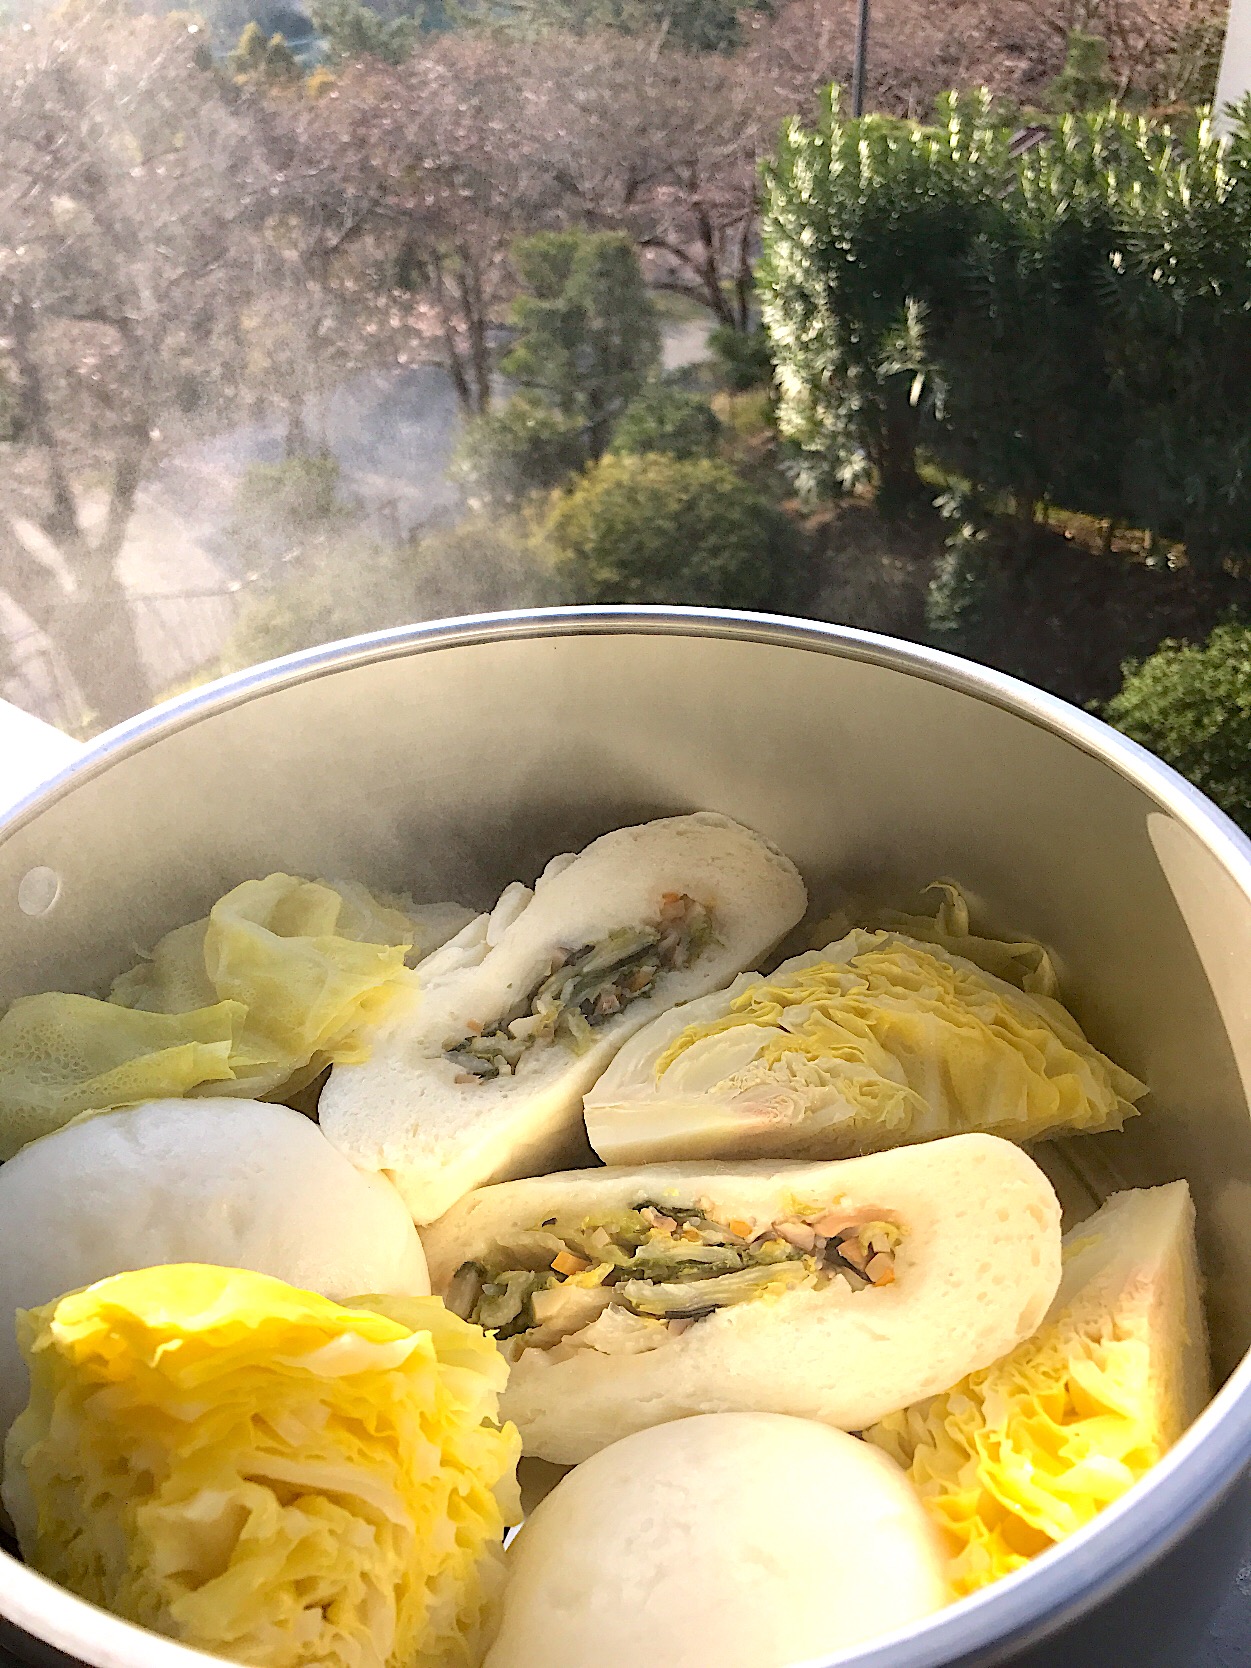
(64, 1055)
(1020, 962)
(315, 972)
(266, 1475)
(1020, 1455)
(283, 977)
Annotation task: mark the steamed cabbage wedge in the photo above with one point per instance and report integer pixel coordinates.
(283, 977)
(1023, 1453)
(881, 1038)
(263, 1474)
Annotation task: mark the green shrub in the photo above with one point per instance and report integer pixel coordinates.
(1071, 324)
(299, 492)
(1192, 706)
(342, 590)
(352, 30)
(521, 447)
(866, 231)
(587, 336)
(743, 357)
(354, 584)
(668, 420)
(681, 25)
(480, 565)
(257, 61)
(654, 529)
(1085, 81)
(957, 599)
(282, 512)
(1191, 70)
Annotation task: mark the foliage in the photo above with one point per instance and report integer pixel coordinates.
(313, 606)
(664, 146)
(957, 605)
(668, 420)
(481, 564)
(521, 447)
(690, 25)
(256, 60)
(185, 252)
(744, 358)
(298, 493)
(1084, 82)
(417, 179)
(868, 226)
(353, 30)
(656, 529)
(283, 511)
(1189, 70)
(747, 414)
(587, 336)
(1072, 324)
(1192, 706)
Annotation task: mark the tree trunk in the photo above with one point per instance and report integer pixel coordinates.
(96, 635)
(28, 581)
(296, 445)
(92, 626)
(899, 486)
(744, 281)
(476, 321)
(445, 306)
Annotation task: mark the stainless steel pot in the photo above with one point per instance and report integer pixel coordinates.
(450, 758)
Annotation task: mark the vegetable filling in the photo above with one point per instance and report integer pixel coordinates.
(672, 1265)
(585, 988)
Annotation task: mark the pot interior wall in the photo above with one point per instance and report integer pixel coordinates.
(451, 771)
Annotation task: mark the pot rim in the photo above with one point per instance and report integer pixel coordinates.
(1062, 1583)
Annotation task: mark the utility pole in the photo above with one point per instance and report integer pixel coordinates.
(862, 52)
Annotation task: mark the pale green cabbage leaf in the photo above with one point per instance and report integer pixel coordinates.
(282, 978)
(63, 1055)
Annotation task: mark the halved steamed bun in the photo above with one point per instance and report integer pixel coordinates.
(748, 1540)
(483, 1078)
(239, 1183)
(626, 1298)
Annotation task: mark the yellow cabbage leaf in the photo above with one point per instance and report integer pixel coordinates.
(1020, 1455)
(264, 1474)
(63, 1055)
(282, 978)
(881, 1039)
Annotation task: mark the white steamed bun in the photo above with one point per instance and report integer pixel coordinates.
(749, 1540)
(241, 1183)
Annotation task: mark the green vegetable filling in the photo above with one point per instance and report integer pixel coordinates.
(669, 1263)
(587, 987)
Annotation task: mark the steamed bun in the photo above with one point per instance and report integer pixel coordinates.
(239, 1183)
(749, 1540)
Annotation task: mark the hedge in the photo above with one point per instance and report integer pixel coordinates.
(1070, 324)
